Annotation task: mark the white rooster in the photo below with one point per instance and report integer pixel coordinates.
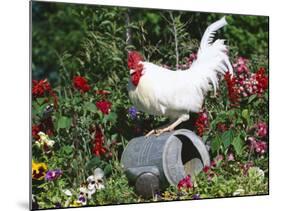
(174, 94)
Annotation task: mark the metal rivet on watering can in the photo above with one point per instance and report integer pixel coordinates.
(168, 158)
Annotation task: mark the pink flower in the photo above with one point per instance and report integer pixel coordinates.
(261, 129)
(192, 57)
(185, 183)
(241, 65)
(260, 147)
(230, 157)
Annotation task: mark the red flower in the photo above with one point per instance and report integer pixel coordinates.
(40, 88)
(35, 130)
(201, 123)
(232, 90)
(262, 80)
(185, 183)
(206, 169)
(81, 83)
(222, 127)
(104, 106)
(97, 142)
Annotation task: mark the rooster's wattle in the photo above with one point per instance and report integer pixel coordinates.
(174, 94)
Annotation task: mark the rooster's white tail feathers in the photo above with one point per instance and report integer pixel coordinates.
(212, 58)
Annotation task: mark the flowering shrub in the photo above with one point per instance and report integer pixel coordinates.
(83, 119)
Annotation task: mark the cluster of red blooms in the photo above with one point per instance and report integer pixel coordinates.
(98, 141)
(201, 123)
(245, 83)
(42, 87)
(232, 89)
(39, 88)
(104, 106)
(46, 126)
(185, 183)
(81, 84)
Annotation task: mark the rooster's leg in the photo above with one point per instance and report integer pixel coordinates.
(170, 127)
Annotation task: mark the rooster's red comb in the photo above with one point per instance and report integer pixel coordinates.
(134, 58)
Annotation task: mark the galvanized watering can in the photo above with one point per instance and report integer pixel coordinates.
(152, 164)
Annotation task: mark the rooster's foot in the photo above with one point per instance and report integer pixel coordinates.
(158, 132)
(150, 133)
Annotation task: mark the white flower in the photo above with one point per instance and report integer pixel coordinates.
(83, 195)
(95, 182)
(43, 141)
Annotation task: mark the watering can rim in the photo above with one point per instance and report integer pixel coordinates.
(199, 142)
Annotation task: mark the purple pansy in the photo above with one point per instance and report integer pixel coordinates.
(53, 174)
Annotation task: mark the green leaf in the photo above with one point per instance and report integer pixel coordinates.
(227, 137)
(107, 170)
(67, 150)
(90, 107)
(64, 122)
(251, 98)
(215, 144)
(238, 145)
(111, 117)
(245, 114)
(93, 163)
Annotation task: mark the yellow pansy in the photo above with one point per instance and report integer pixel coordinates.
(38, 170)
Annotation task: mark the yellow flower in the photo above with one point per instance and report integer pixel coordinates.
(38, 170)
(76, 204)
